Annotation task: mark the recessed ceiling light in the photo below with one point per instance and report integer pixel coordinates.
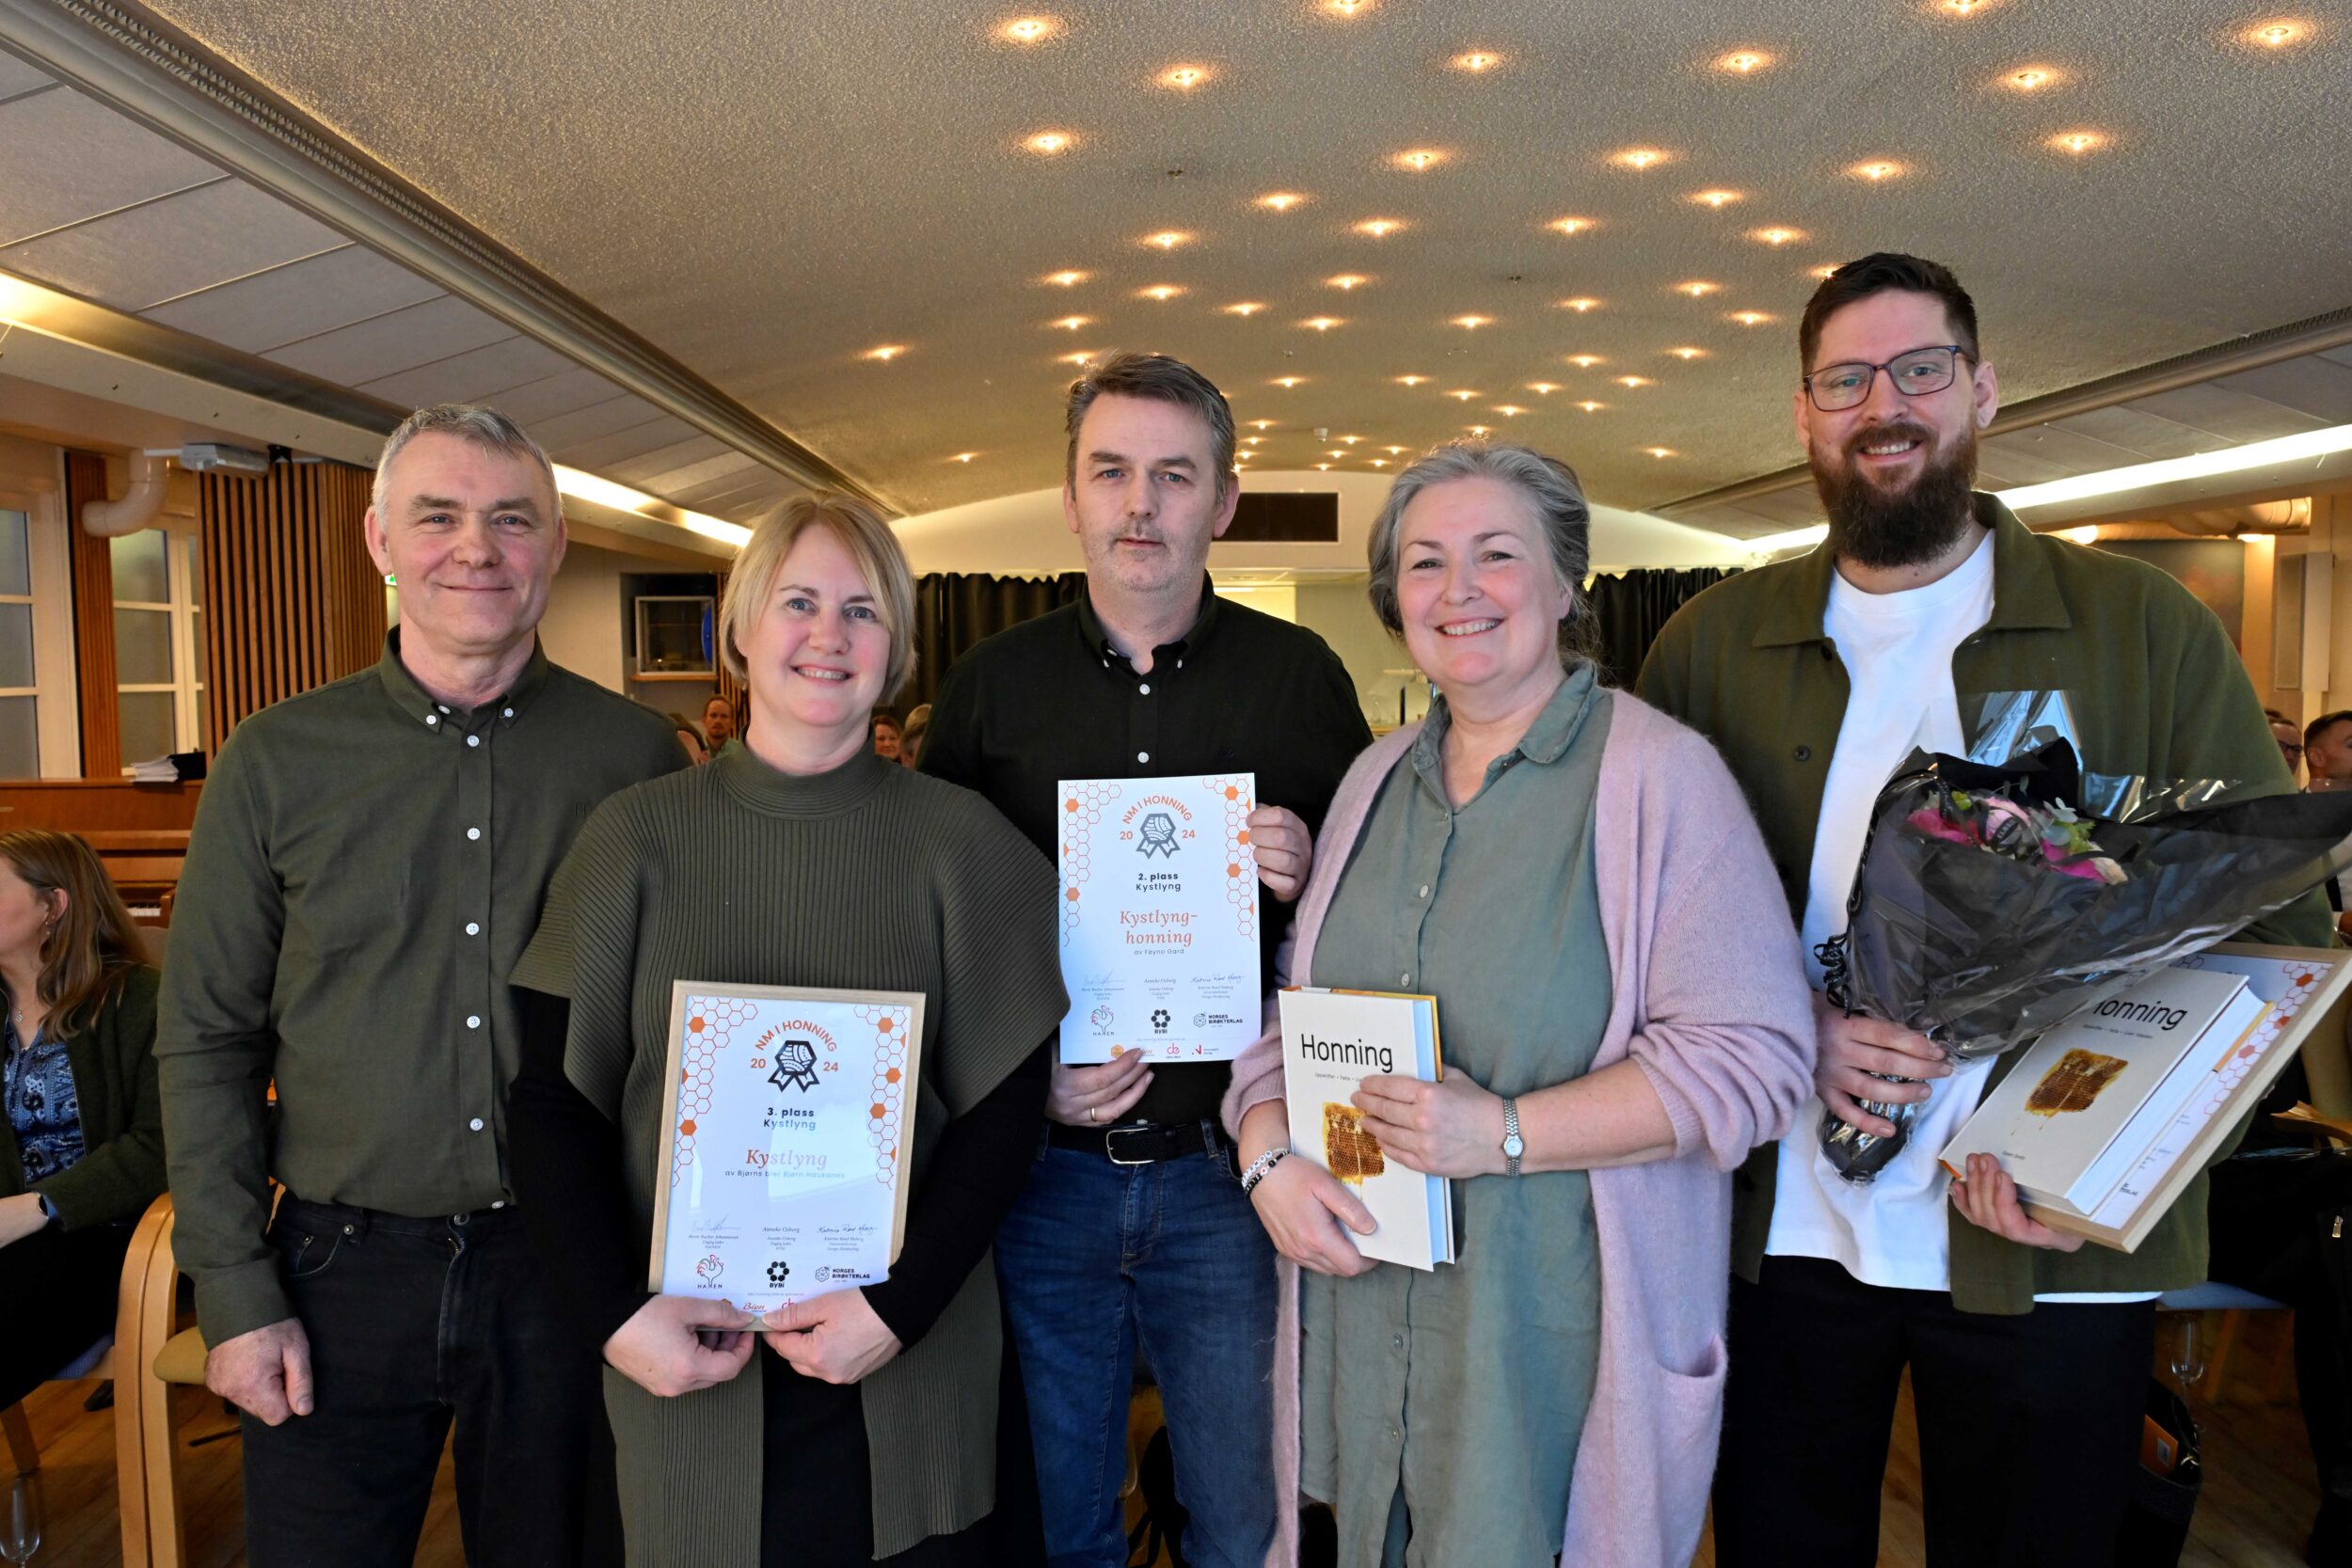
(1580, 305)
(1475, 62)
(1688, 353)
(1471, 322)
(1634, 380)
(1546, 387)
(1876, 171)
(1719, 199)
(2032, 78)
(1065, 279)
(1420, 159)
(1775, 235)
(1379, 228)
(1280, 202)
(1287, 382)
(2077, 142)
(1168, 239)
(1962, 8)
(1658, 452)
(963, 457)
(1324, 468)
(1322, 323)
(1072, 323)
(1585, 361)
(1509, 410)
(1262, 424)
(887, 353)
(1393, 451)
(2276, 34)
(1347, 281)
(1697, 288)
(1461, 394)
(1346, 10)
(1743, 62)
(1245, 307)
(1336, 451)
(1641, 158)
(1379, 462)
(1412, 380)
(1253, 440)
(1030, 29)
(1750, 318)
(1049, 143)
(1826, 271)
(1591, 407)
(1572, 226)
(1350, 440)
(1184, 78)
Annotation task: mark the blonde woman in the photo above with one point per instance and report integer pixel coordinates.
(861, 1425)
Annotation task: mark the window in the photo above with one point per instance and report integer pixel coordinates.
(159, 644)
(20, 692)
(40, 733)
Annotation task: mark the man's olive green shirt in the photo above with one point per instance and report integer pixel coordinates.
(366, 867)
(2152, 688)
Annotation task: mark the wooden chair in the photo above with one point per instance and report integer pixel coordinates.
(97, 1361)
(155, 1353)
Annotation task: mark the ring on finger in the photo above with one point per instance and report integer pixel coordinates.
(1092, 1113)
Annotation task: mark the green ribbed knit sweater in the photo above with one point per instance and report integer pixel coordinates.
(869, 877)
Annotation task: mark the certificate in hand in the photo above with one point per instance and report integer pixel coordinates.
(1159, 926)
(783, 1132)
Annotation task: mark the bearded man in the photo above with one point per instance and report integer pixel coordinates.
(1920, 619)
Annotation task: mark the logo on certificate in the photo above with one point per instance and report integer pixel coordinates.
(1159, 1021)
(778, 1272)
(1157, 836)
(796, 1065)
(709, 1269)
(1101, 1019)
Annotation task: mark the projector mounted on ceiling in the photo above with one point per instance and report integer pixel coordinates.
(198, 457)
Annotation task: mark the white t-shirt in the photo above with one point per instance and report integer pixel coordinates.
(1897, 652)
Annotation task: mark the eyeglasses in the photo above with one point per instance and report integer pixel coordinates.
(1916, 374)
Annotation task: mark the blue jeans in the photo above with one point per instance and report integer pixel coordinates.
(1096, 1258)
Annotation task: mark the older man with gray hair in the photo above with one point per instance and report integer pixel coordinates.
(368, 861)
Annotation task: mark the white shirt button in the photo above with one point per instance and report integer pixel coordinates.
(1145, 688)
(473, 833)
(1405, 979)
(443, 706)
(473, 1020)
(475, 1124)
(498, 1203)
(1143, 756)
(432, 718)
(473, 928)
(1424, 892)
(473, 741)
(509, 713)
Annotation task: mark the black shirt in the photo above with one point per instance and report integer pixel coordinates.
(1241, 692)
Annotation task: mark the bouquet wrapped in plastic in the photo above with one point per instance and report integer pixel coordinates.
(1989, 905)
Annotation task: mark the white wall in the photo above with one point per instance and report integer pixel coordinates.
(581, 629)
(1025, 534)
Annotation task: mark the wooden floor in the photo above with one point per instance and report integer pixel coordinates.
(2259, 1495)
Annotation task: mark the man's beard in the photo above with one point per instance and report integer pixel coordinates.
(1884, 530)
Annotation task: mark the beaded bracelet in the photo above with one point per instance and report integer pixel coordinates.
(1257, 1168)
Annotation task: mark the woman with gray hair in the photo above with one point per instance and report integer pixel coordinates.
(1553, 861)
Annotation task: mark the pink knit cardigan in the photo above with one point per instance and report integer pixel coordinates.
(1710, 999)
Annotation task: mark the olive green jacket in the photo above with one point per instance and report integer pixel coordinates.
(2154, 689)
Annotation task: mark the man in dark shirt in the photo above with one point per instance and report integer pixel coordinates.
(368, 861)
(1132, 1230)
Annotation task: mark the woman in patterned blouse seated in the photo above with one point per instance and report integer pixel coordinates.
(82, 1144)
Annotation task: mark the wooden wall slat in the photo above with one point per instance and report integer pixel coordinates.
(93, 621)
(292, 599)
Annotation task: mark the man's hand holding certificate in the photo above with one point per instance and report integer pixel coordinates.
(1159, 938)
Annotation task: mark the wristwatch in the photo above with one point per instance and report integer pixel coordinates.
(1513, 1145)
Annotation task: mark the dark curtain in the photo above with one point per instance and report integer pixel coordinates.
(1630, 609)
(955, 610)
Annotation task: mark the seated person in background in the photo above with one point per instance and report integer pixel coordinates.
(719, 725)
(865, 1427)
(911, 738)
(2290, 739)
(2327, 750)
(690, 739)
(1551, 860)
(82, 1144)
(887, 733)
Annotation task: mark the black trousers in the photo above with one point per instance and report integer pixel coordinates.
(2028, 1426)
(417, 1325)
(60, 1290)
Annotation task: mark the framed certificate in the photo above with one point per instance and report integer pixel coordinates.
(1159, 926)
(784, 1131)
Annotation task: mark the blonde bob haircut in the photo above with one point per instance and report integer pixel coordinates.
(865, 533)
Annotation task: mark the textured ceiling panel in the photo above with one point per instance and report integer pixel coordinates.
(64, 158)
(164, 249)
(2315, 385)
(402, 340)
(632, 442)
(17, 78)
(291, 303)
(726, 465)
(476, 375)
(784, 190)
(565, 392)
(2146, 437)
(560, 433)
(2215, 407)
(660, 460)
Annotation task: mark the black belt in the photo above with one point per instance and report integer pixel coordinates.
(1139, 1143)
